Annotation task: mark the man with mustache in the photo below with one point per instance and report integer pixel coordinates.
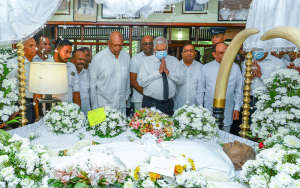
(186, 93)
(78, 59)
(43, 47)
(88, 55)
(30, 52)
(62, 54)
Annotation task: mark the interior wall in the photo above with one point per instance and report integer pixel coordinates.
(210, 17)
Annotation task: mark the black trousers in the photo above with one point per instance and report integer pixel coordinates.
(165, 107)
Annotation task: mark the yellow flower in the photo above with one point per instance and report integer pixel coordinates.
(136, 177)
(183, 155)
(178, 169)
(153, 176)
(184, 166)
(137, 170)
(191, 161)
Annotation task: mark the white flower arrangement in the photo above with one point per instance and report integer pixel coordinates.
(278, 104)
(185, 175)
(195, 122)
(273, 167)
(284, 138)
(114, 125)
(87, 169)
(22, 165)
(65, 118)
(8, 88)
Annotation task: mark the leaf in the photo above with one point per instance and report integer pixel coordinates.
(81, 185)
(51, 181)
(298, 92)
(75, 179)
(273, 94)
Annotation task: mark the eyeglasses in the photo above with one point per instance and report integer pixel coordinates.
(186, 51)
(146, 44)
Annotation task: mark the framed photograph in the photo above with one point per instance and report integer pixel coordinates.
(64, 8)
(168, 9)
(233, 10)
(85, 10)
(192, 7)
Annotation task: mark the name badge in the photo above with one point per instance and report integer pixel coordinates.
(73, 73)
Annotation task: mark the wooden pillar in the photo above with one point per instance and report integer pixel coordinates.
(55, 32)
(170, 34)
(97, 47)
(178, 53)
(82, 33)
(130, 41)
(196, 35)
(75, 46)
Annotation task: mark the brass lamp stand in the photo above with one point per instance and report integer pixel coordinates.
(22, 83)
(246, 106)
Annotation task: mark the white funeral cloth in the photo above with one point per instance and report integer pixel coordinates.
(64, 141)
(207, 159)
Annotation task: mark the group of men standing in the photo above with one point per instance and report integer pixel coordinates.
(158, 79)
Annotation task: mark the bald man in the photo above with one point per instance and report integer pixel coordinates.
(135, 65)
(207, 83)
(109, 75)
(30, 52)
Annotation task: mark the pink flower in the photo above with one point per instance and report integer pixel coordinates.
(159, 140)
(157, 132)
(135, 124)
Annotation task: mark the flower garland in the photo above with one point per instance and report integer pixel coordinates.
(195, 122)
(72, 150)
(86, 169)
(65, 118)
(278, 105)
(22, 165)
(153, 121)
(185, 175)
(114, 125)
(8, 88)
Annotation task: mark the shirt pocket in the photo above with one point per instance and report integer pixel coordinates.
(71, 80)
(125, 73)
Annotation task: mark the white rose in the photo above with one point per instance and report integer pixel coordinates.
(291, 141)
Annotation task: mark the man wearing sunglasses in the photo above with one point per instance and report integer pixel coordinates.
(135, 65)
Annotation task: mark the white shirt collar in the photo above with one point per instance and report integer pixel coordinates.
(113, 55)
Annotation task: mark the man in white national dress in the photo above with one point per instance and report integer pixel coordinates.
(207, 84)
(109, 75)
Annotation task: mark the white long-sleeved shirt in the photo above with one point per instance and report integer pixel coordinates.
(187, 93)
(109, 79)
(13, 63)
(73, 82)
(135, 65)
(206, 89)
(84, 88)
(151, 80)
(38, 59)
(268, 65)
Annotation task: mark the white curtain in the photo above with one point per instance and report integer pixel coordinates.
(21, 19)
(132, 8)
(267, 14)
